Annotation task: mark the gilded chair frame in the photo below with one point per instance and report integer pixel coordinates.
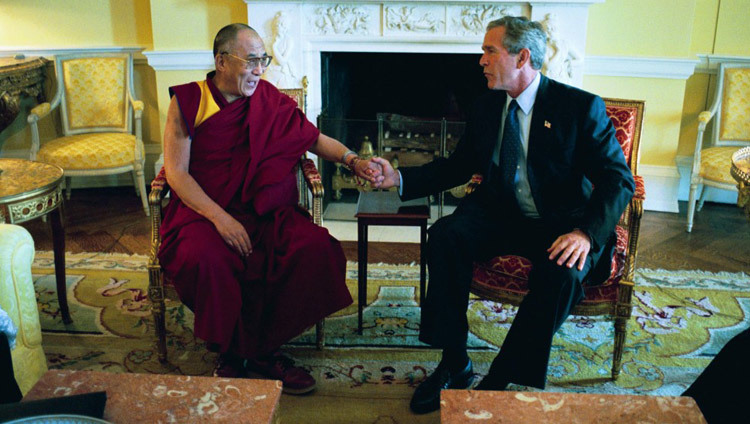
(720, 137)
(130, 120)
(311, 199)
(620, 308)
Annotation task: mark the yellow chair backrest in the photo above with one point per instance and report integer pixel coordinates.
(95, 93)
(735, 111)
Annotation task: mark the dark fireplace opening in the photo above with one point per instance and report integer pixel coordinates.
(429, 94)
(425, 85)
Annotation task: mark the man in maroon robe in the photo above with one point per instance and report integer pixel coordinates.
(243, 256)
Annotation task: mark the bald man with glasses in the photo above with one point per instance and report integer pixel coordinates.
(244, 257)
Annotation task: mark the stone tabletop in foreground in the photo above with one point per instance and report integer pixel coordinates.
(476, 407)
(157, 398)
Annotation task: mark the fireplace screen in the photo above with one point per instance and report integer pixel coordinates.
(402, 140)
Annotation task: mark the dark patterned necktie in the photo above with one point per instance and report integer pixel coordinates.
(509, 150)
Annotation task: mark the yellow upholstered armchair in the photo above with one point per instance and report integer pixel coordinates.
(101, 120)
(730, 112)
(310, 187)
(505, 278)
(18, 299)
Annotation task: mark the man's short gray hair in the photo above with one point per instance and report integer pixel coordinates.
(522, 33)
(226, 37)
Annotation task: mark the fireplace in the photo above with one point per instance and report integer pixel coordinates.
(407, 107)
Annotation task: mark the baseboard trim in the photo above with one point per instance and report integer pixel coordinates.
(662, 183)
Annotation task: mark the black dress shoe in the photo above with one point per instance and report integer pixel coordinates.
(492, 383)
(427, 396)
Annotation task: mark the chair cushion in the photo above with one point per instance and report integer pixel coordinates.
(90, 151)
(510, 273)
(716, 163)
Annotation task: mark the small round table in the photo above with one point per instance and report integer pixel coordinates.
(741, 172)
(29, 190)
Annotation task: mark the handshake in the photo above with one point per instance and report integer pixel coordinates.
(377, 171)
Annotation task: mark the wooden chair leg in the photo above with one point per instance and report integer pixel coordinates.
(691, 206)
(158, 310)
(621, 324)
(161, 330)
(320, 334)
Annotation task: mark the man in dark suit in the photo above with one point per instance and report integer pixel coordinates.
(555, 185)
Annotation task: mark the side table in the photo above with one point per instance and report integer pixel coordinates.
(19, 77)
(386, 208)
(29, 190)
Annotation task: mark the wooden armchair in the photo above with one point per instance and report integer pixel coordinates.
(731, 131)
(310, 197)
(101, 120)
(505, 278)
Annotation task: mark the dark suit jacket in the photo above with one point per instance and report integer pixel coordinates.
(572, 145)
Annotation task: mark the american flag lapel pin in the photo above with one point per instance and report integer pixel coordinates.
(547, 124)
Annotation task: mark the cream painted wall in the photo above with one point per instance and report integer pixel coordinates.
(663, 111)
(75, 23)
(644, 28)
(640, 28)
(733, 31)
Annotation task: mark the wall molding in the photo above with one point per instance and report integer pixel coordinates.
(709, 63)
(180, 60)
(640, 67)
(51, 52)
(623, 66)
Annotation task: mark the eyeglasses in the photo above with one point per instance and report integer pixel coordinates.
(253, 62)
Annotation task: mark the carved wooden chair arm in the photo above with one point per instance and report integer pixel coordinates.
(473, 183)
(159, 189)
(315, 185)
(631, 220)
(312, 177)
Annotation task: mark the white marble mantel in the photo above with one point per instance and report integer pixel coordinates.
(298, 31)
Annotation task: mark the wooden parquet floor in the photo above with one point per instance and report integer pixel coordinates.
(112, 220)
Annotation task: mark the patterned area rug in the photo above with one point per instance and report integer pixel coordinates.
(681, 319)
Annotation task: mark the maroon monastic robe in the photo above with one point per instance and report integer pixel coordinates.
(243, 156)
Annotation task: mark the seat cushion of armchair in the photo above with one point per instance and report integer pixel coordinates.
(90, 151)
(510, 274)
(715, 164)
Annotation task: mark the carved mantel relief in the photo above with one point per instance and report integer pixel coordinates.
(409, 19)
(297, 32)
(340, 19)
(561, 57)
(280, 73)
(472, 20)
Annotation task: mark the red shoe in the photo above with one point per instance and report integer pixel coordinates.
(296, 381)
(229, 366)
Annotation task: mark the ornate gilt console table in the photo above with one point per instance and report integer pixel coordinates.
(30, 190)
(741, 172)
(18, 77)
